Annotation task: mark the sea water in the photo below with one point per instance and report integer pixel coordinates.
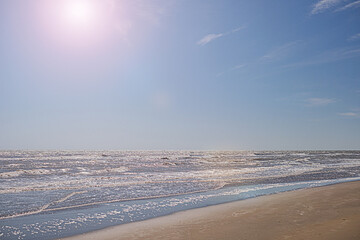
(53, 194)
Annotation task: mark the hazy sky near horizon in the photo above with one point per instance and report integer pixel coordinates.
(180, 74)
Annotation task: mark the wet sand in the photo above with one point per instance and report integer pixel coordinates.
(330, 212)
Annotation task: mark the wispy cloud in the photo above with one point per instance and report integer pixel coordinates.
(239, 66)
(212, 36)
(317, 102)
(349, 114)
(323, 5)
(350, 5)
(208, 38)
(353, 113)
(354, 37)
(279, 52)
(237, 29)
(327, 57)
(275, 54)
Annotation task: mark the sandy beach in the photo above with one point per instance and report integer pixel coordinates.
(330, 212)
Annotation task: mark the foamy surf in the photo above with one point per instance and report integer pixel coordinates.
(55, 194)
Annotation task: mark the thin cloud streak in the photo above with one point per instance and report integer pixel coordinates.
(349, 114)
(208, 38)
(237, 29)
(279, 52)
(324, 5)
(317, 102)
(239, 66)
(347, 6)
(328, 57)
(354, 37)
(353, 113)
(273, 55)
(212, 36)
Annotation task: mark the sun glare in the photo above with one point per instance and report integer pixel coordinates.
(80, 13)
(81, 25)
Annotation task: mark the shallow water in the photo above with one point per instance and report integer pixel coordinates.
(45, 195)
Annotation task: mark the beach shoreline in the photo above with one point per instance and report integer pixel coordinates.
(327, 212)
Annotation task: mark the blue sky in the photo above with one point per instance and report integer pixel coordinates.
(180, 74)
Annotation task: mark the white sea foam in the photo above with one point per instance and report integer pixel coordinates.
(107, 176)
(25, 172)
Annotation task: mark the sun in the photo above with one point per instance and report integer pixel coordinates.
(77, 25)
(80, 13)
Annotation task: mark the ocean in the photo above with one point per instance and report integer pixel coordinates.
(54, 194)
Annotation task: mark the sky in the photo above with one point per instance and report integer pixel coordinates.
(180, 74)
